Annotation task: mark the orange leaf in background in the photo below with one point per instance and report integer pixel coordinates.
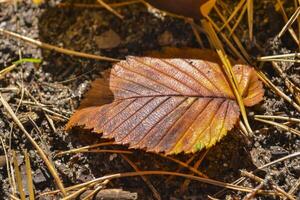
(168, 105)
(188, 8)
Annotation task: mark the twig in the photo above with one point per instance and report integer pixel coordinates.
(39, 150)
(55, 48)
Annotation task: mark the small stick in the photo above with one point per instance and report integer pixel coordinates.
(55, 48)
(39, 150)
(106, 6)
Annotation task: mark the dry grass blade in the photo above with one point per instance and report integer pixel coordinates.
(39, 150)
(29, 176)
(282, 126)
(289, 23)
(18, 177)
(110, 9)
(149, 184)
(233, 82)
(55, 48)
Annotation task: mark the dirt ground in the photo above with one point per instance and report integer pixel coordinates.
(60, 81)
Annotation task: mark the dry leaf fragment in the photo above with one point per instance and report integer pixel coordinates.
(108, 40)
(169, 105)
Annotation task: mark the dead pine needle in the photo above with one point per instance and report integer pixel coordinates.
(233, 82)
(29, 176)
(263, 182)
(282, 126)
(250, 18)
(145, 179)
(110, 9)
(43, 156)
(55, 48)
(85, 148)
(289, 22)
(18, 177)
(85, 5)
(277, 91)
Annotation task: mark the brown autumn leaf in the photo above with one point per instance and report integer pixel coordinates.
(188, 8)
(168, 105)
